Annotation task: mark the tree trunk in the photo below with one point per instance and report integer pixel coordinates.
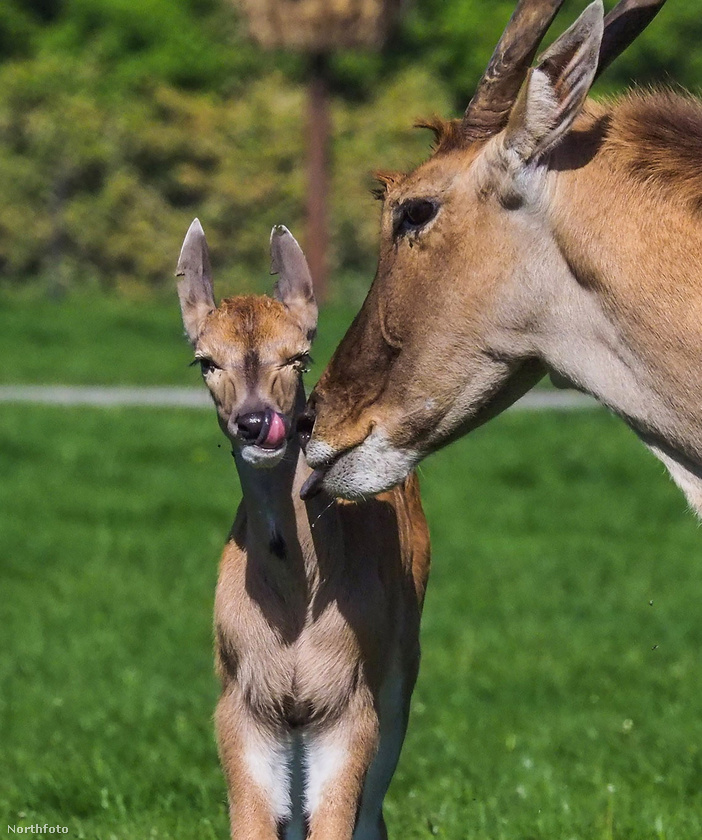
(318, 133)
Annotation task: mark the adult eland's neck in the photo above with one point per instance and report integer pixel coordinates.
(624, 321)
(636, 263)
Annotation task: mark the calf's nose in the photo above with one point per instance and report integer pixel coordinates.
(249, 426)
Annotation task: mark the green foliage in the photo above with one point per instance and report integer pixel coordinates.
(119, 122)
(372, 135)
(187, 43)
(16, 29)
(103, 189)
(455, 39)
(668, 52)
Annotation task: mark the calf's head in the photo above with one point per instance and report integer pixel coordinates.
(251, 349)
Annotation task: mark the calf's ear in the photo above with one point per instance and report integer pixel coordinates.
(195, 281)
(294, 285)
(555, 90)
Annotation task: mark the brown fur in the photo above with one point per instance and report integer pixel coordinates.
(656, 138)
(448, 134)
(318, 603)
(386, 179)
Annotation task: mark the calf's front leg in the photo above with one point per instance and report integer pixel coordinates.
(255, 761)
(337, 760)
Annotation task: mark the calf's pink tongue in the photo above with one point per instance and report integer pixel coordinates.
(276, 432)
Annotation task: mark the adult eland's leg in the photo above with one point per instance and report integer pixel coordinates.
(394, 713)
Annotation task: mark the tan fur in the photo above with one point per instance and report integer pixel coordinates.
(316, 612)
(569, 243)
(304, 644)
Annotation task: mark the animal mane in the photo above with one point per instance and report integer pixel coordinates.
(655, 137)
(448, 134)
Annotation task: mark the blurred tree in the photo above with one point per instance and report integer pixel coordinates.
(187, 43)
(319, 29)
(100, 191)
(21, 21)
(121, 121)
(453, 40)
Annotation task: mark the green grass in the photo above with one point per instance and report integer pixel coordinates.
(555, 700)
(102, 340)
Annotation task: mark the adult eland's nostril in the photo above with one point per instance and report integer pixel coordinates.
(250, 426)
(305, 425)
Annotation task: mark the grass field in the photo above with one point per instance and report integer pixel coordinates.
(561, 687)
(555, 700)
(97, 340)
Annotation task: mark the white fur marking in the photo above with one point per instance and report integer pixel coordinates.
(262, 458)
(687, 481)
(369, 468)
(268, 761)
(325, 757)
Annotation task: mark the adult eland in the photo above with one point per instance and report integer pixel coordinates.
(547, 234)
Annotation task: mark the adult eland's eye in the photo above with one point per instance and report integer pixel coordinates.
(412, 215)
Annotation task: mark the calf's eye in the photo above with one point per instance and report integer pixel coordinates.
(301, 362)
(206, 365)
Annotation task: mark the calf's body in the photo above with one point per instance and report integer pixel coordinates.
(318, 603)
(317, 649)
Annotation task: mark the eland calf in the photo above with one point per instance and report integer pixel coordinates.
(318, 603)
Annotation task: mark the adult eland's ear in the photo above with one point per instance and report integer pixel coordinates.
(195, 281)
(294, 285)
(555, 90)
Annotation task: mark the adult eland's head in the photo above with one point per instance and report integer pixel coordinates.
(449, 334)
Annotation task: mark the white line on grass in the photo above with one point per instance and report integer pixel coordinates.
(172, 397)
